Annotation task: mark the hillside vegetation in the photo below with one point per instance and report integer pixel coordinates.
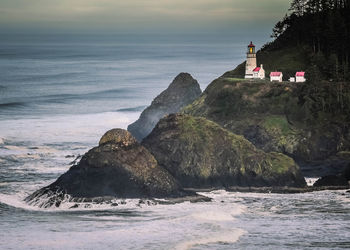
(281, 117)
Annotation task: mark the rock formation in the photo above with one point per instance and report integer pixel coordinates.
(199, 153)
(342, 179)
(119, 167)
(276, 117)
(181, 92)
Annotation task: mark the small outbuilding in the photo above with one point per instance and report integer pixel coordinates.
(292, 79)
(276, 76)
(300, 76)
(259, 72)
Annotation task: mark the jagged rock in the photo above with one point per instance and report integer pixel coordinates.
(181, 92)
(118, 168)
(200, 153)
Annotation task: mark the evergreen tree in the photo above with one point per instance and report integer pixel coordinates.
(323, 25)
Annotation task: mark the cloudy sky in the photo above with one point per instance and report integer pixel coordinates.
(137, 15)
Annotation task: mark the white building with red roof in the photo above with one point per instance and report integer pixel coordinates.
(254, 72)
(259, 72)
(300, 76)
(276, 76)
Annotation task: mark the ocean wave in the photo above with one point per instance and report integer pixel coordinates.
(120, 92)
(65, 131)
(66, 98)
(227, 237)
(110, 92)
(220, 215)
(213, 216)
(40, 79)
(133, 109)
(12, 105)
(72, 204)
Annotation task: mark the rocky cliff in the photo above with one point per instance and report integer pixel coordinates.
(199, 153)
(181, 92)
(278, 117)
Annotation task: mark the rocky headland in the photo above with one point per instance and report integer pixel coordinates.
(278, 117)
(243, 135)
(248, 136)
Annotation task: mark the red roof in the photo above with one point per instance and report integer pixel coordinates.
(251, 45)
(300, 74)
(257, 69)
(275, 73)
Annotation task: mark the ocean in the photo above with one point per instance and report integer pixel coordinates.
(60, 93)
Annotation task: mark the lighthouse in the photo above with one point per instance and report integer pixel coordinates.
(251, 61)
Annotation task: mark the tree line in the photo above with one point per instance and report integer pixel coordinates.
(324, 27)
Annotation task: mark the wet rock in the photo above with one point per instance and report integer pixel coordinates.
(118, 168)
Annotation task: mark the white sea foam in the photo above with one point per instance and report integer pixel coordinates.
(24, 156)
(227, 213)
(15, 148)
(17, 201)
(227, 237)
(213, 216)
(85, 128)
(311, 181)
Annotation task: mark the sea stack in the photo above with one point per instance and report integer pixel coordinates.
(181, 92)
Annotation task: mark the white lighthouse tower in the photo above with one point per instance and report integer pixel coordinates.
(251, 61)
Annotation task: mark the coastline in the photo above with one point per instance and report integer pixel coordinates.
(276, 190)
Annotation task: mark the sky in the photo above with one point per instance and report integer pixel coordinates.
(140, 15)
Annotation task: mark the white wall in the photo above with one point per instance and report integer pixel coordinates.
(300, 79)
(276, 78)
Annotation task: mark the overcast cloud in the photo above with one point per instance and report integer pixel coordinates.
(117, 15)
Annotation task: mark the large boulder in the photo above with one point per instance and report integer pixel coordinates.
(181, 92)
(119, 167)
(199, 153)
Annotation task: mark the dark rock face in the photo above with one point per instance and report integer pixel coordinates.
(199, 153)
(342, 179)
(181, 92)
(119, 167)
(333, 165)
